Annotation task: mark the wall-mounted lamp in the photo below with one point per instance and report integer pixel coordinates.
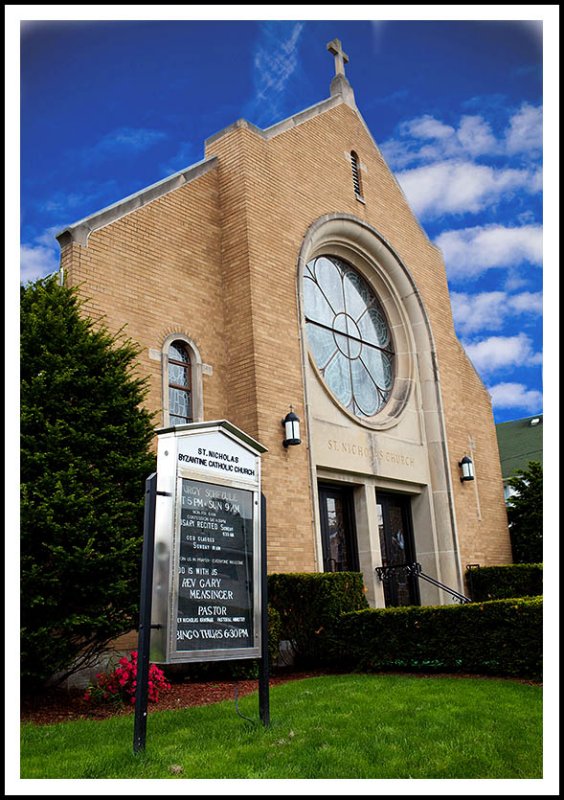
(291, 424)
(467, 468)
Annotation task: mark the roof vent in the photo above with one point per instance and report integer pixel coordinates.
(357, 183)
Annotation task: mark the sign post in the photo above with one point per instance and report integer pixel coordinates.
(264, 697)
(208, 598)
(143, 642)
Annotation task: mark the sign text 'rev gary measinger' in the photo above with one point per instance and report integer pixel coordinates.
(206, 601)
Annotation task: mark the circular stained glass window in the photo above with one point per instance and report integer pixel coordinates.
(348, 335)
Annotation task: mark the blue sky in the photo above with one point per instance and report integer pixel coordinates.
(109, 107)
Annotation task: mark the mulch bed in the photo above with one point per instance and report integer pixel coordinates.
(62, 705)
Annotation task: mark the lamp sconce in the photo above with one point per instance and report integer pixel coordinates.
(291, 425)
(467, 468)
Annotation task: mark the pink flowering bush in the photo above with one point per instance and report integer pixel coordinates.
(119, 685)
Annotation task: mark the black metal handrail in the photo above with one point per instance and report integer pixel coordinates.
(385, 573)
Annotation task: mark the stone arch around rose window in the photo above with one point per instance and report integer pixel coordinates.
(416, 389)
(360, 246)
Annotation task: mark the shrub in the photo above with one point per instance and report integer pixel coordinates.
(119, 685)
(498, 637)
(512, 580)
(85, 455)
(310, 603)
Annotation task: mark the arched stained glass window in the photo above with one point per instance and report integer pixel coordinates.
(348, 335)
(179, 384)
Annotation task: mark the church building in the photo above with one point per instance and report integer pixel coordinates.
(285, 273)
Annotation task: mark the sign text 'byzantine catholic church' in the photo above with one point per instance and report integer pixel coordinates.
(287, 269)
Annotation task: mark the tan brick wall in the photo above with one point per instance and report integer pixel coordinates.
(263, 319)
(480, 506)
(158, 270)
(217, 260)
(292, 180)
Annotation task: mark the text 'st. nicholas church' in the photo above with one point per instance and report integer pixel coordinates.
(287, 269)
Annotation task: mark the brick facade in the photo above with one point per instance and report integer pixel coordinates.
(216, 258)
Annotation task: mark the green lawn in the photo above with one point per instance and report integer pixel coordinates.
(349, 726)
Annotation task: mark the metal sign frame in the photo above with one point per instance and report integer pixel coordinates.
(215, 457)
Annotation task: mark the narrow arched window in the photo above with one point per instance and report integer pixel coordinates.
(179, 384)
(357, 182)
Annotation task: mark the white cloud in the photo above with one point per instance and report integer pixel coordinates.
(61, 204)
(524, 134)
(184, 157)
(39, 257)
(274, 66)
(427, 127)
(400, 154)
(526, 302)
(457, 187)
(377, 33)
(526, 217)
(514, 281)
(470, 251)
(515, 395)
(424, 140)
(475, 312)
(501, 352)
(275, 63)
(122, 142)
(489, 310)
(37, 261)
(476, 137)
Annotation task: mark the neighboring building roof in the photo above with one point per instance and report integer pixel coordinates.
(519, 442)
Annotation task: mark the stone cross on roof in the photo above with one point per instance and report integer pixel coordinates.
(341, 58)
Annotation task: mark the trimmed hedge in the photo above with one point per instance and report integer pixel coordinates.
(512, 580)
(309, 604)
(498, 637)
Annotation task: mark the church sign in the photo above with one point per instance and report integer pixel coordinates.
(206, 601)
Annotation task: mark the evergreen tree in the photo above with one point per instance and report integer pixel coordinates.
(85, 455)
(524, 511)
